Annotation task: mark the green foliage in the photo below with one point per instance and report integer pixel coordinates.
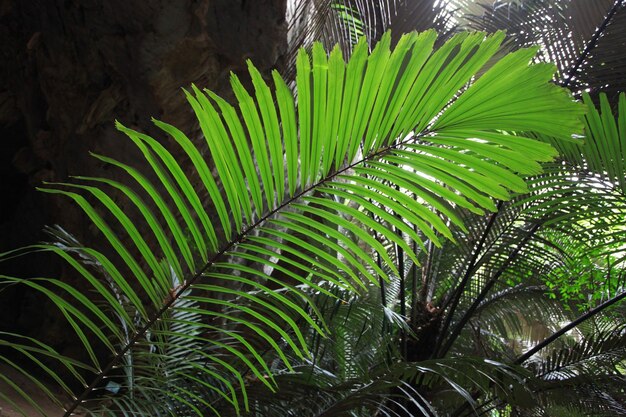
(216, 292)
(581, 202)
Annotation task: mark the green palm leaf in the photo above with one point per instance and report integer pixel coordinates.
(220, 294)
(604, 150)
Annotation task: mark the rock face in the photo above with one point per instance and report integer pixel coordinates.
(69, 69)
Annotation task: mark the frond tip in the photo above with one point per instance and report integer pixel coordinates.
(204, 295)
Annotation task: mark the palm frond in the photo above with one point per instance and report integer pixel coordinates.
(603, 152)
(591, 368)
(518, 315)
(344, 22)
(364, 137)
(595, 355)
(598, 72)
(567, 30)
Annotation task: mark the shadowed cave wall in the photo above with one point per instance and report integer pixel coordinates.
(72, 67)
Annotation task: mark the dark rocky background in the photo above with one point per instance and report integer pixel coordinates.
(68, 69)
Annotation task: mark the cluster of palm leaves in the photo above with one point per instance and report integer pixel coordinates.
(406, 225)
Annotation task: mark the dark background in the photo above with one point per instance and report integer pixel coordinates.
(68, 70)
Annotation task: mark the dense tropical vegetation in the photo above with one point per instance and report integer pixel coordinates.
(400, 226)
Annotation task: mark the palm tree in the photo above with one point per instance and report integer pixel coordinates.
(310, 266)
(537, 245)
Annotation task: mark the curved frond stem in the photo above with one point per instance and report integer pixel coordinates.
(454, 300)
(591, 313)
(400, 259)
(485, 291)
(546, 342)
(591, 45)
